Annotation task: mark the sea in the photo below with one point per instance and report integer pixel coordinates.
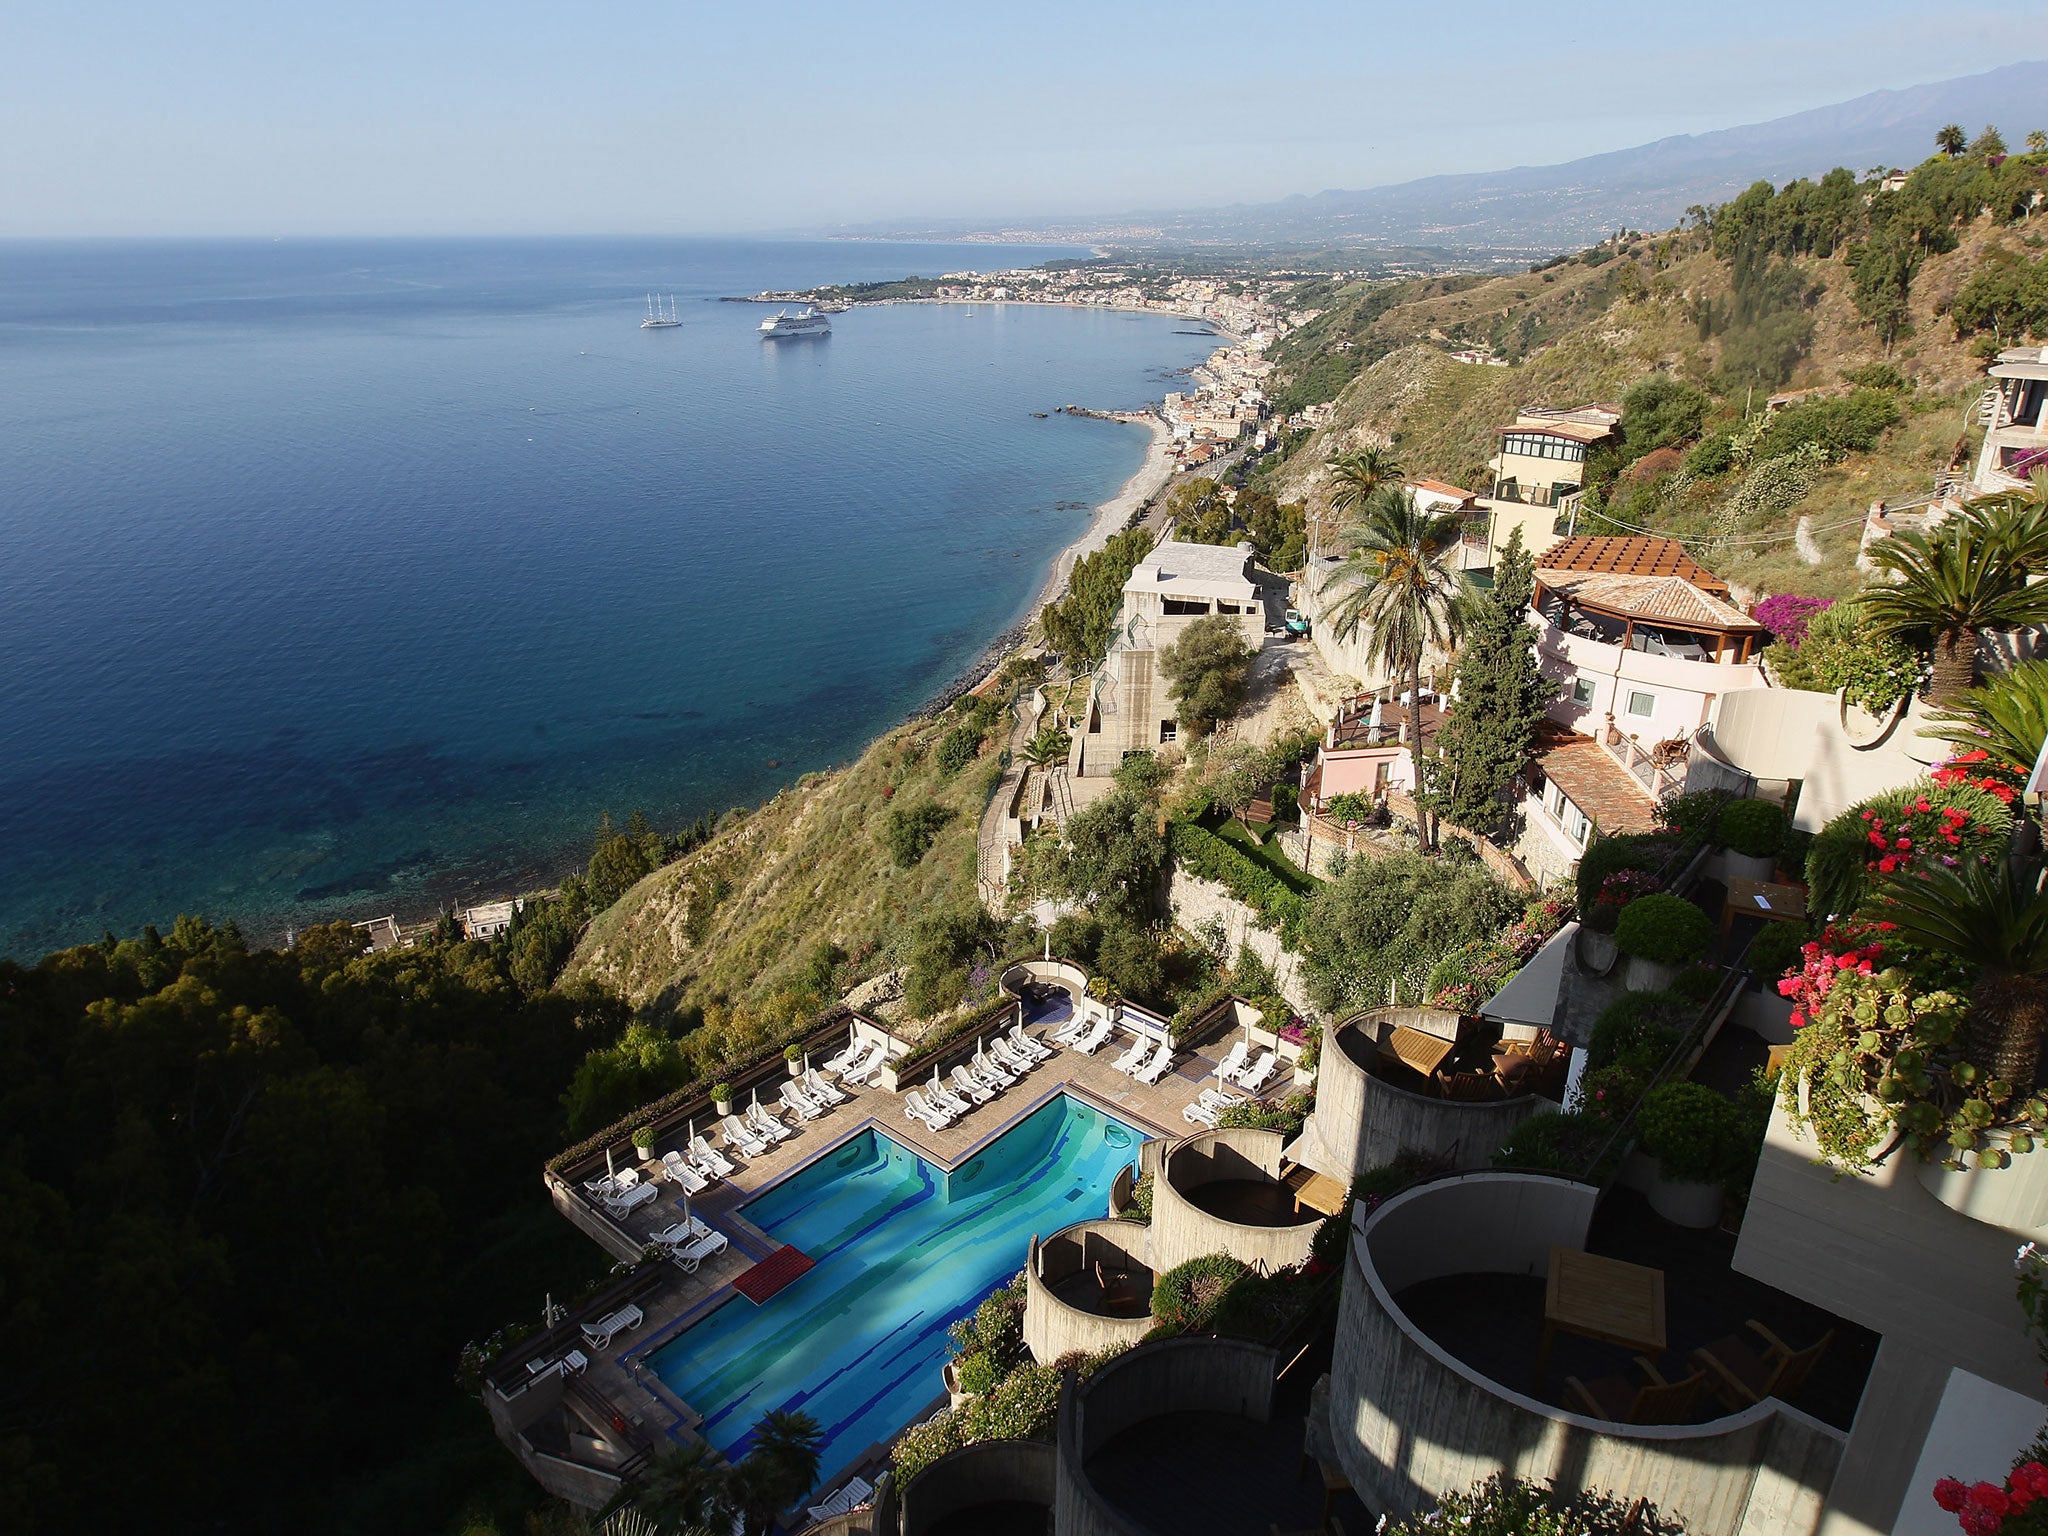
(352, 578)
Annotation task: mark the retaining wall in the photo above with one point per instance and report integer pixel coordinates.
(1409, 1420)
(987, 1472)
(1170, 1376)
(1194, 902)
(1052, 1327)
(1362, 1121)
(1182, 1230)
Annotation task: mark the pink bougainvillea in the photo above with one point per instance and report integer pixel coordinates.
(1984, 1509)
(1786, 616)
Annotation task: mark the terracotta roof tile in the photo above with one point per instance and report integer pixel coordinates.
(1443, 488)
(1666, 599)
(1634, 556)
(1577, 431)
(1594, 781)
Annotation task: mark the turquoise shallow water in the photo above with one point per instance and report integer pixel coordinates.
(903, 1250)
(345, 578)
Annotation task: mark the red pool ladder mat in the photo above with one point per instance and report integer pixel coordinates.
(773, 1273)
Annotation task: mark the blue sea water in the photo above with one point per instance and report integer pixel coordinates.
(903, 1250)
(345, 578)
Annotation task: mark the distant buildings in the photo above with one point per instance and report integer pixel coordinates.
(488, 920)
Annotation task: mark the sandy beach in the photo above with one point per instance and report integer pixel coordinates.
(1111, 516)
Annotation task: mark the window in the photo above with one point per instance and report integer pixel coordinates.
(1186, 605)
(1642, 705)
(1582, 690)
(1380, 773)
(1223, 607)
(1168, 730)
(1575, 823)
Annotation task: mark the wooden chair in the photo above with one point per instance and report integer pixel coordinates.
(1741, 1377)
(1620, 1401)
(1471, 1087)
(1119, 1295)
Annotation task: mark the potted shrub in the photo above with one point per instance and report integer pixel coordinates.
(1772, 955)
(721, 1098)
(1659, 934)
(794, 1056)
(1752, 832)
(1692, 1132)
(643, 1143)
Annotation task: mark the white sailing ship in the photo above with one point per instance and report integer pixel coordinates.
(659, 316)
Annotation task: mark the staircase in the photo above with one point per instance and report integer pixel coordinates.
(1992, 411)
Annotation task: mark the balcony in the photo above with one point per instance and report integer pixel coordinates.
(1221, 1192)
(1087, 1288)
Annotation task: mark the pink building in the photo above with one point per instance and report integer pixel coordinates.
(1365, 751)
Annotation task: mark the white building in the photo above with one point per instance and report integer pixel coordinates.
(2016, 426)
(489, 920)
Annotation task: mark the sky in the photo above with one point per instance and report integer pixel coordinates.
(252, 117)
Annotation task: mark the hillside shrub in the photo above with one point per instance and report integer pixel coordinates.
(1754, 828)
(1839, 424)
(1187, 1297)
(1206, 856)
(1666, 929)
(1786, 615)
(910, 830)
(1692, 1131)
(1563, 1143)
(1714, 454)
(1609, 855)
(957, 748)
(1839, 651)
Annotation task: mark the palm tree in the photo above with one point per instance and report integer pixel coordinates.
(688, 1492)
(1359, 475)
(2007, 718)
(1950, 139)
(1395, 581)
(1970, 574)
(1048, 747)
(2037, 143)
(1994, 919)
(780, 1468)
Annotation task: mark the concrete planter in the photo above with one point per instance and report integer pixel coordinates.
(1648, 975)
(1596, 952)
(1685, 1203)
(1768, 1015)
(2014, 1198)
(951, 1376)
(722, 1106)
(1748, 866)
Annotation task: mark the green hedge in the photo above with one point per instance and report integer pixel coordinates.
(1755, 828)
(1638, 1029)
(1208, 857)
(1562, 1143)
(1692, 1131)
(1187, 1297)
(939, 1042)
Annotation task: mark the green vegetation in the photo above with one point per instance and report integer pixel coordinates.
(1754, 828)
(1187, 1297)
(1208, 670)
(1511, 1507)
(1774, 951)
(1969, 574)
(1842, 862)
(241, 1166)
(1841, 651)
(688, 1490)
(1694, 1133)
(1502, 695)
(910, 830)
(1078, 625)
(1576, 1144)
(1387, 921)
(1666, 929)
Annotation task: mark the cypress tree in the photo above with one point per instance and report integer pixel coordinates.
(1501, 695)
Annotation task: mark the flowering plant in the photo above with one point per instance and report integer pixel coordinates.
(1980, 770)
(1984, 1509)
(1842, 947)
(1787, 615)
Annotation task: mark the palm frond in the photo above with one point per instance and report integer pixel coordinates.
(2007, 717)
(1991, 915)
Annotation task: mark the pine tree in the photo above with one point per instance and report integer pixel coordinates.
(1501, 696)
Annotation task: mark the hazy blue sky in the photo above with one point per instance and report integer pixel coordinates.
(625, 116)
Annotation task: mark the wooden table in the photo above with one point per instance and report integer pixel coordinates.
(1766, 899)
(1316, 1191)
(1418, 1049)
(1603, 1299)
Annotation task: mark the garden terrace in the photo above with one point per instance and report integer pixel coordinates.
(1435, 1373)
(1223, 1192)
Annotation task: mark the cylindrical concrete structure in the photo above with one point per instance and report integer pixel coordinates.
(987, 1472)
(1053, 1327)
(1363, 1121)
(1182, 1230)
(1409, 1420)
(1170, 1376)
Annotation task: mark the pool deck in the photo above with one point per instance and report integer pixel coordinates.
(619, 1373)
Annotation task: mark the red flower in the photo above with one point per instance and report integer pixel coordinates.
(1904, 842)
(1887, 864)
(1990, 1498)
(1951, 1495)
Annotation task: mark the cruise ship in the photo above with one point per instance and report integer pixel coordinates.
(806, 322)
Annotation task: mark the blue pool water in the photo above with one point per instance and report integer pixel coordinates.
(903, 1249)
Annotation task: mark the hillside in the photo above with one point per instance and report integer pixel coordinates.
(1587, 328)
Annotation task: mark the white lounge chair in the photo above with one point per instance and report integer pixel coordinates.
(847, 1057)
(1156, 1068)
(708, 1160)
(1036, 1050)
(677, 1170)
(1199, 1114)
(573, 1363)
(917, 1107)
(799, 1101)
(1134, 1058)
(1096, 1037)
(1257, 1076)
(599, 1334)
(740, 1139)
(948, 1100)
(689, 1255)
(992, 1072)
(866, 1066)
(1009, 1055)
(1216, 1098)
(1073, 1029)
(964, 1081)
(607, 1186)
(632, 1199)
(677, 1233)
(858, 1491)
(1233, 1063)
(761, 1118)
(819, 1089)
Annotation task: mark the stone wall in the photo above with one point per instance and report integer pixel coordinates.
(987, 1472)
(1051, 1327)
(1194, 902)
(1409, 1420)
(1182, 1230)
(1170, 1376)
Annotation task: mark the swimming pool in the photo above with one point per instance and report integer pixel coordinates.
(902, 1249)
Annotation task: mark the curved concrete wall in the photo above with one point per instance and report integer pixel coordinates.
(1182, 1230)
(1057, 973)
(1053, 1328)
(987, 1472)
(1170, 1376)
(1362, 1121)
(1409, 1420)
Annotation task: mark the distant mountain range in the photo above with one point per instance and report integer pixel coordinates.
(1544, 208)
